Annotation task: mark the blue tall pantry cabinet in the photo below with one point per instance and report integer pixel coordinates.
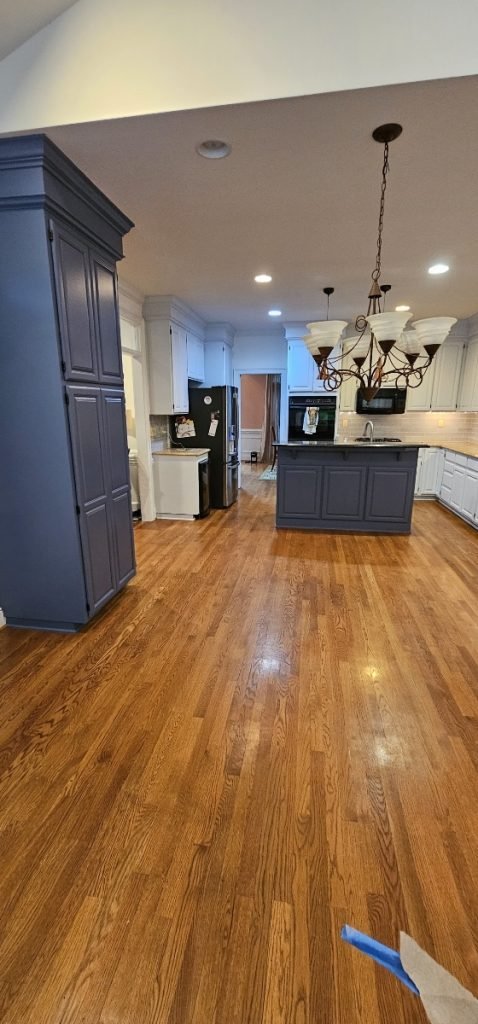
(66, 539)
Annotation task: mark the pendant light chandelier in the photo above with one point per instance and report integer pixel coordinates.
(384, 351)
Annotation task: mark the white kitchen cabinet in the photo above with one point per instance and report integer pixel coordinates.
(457, 488)
(300, 368)
(302, 371)
(348, 390)
(468, 393)
(439, 388)
(469, 507)
(420, 399)
(429, 472)
(446, 378)
(195, 357)
(168, 367)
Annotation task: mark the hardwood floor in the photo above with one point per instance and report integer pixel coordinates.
(266, 736)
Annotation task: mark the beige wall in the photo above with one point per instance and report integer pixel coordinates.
(253, 394)
(115, 58)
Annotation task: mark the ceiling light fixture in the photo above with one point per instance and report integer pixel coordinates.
(438, 268)
(402, 309)
(263, 278)
(383, 352)
(275, 312)
(213, 149)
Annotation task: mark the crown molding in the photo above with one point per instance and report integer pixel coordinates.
(35, 174)
(262, 333)
(169, 307)
(220, 332)
(130, 302)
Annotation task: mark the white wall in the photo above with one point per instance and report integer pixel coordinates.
(254, 351)
(263, 353)
(114, 58)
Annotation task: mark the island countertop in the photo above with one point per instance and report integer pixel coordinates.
(349, 486)
(361, 445)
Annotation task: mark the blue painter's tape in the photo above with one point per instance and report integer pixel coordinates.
(383, 955)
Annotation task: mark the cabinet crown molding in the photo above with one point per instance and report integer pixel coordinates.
(168, 307)
(130, 302)
(35, 174)
(220, 332)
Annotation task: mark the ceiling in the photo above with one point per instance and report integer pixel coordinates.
(297, 197)
(22, 19)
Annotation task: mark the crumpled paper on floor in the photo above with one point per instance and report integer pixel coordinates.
(444, 999)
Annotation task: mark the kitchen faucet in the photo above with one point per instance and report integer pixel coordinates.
(368, 424)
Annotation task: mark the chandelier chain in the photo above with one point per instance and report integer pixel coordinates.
(385, 169)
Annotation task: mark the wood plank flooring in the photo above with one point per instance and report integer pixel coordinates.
(269, 734)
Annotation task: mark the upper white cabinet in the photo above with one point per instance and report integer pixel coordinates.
(302, 372)
(195, 351)
(446, 378)
(168, 367)
(468, 394)
(439, 389)
(348, 390)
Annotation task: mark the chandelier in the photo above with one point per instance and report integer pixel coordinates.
(385, 350)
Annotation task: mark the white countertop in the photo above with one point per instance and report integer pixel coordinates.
(194, 453)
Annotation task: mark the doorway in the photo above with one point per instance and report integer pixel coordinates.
(260, 414)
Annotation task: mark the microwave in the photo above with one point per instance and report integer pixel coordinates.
(386, 400)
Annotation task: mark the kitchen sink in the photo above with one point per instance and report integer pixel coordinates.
(380, 440)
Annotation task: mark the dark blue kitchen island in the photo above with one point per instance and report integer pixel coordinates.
(346, 486)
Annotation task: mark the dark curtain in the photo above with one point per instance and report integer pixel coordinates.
(270, 429)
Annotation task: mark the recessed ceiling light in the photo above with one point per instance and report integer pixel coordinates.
(263, 278)
(275, 312)
(438, 268)
(402, 309)
(213, 149)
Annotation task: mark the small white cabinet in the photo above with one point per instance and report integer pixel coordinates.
(459, 485)
(302, 371)
(168, 367)
(195, 357)
(446, 379)
(429, 472)
(439, 389)
(348, 390)
(468, 394)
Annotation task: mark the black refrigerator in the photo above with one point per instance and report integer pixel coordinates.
(212, 422)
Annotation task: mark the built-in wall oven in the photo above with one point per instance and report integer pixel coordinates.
(312, 417)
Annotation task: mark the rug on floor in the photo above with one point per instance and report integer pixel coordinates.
(269, 474)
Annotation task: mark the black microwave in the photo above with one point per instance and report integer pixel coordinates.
(386, 400)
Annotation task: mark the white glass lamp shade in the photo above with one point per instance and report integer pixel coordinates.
(357, 347)
(326, 333)
(387, 326)
(434, 330)
(409, 342)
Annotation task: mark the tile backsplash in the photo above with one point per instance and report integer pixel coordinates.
(428, 426)
(159, 431)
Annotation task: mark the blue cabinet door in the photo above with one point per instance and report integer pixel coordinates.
(344, 492)
(89, 462)
(105, 301)
(118, 482)
(71, 262)
(390, 494)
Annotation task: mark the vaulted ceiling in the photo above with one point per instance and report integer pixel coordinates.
(20, 19)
